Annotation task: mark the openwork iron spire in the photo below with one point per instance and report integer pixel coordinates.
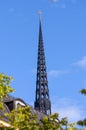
(42, 101)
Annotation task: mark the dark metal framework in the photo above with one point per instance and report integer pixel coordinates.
(42, 101)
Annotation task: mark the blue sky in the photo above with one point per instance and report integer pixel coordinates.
(64, 30)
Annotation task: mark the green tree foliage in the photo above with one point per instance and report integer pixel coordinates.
(72, 128)
(83, 91)
(82, 122)
(5, 87)
(51, 122)
(64, 122)
(23, 119)
(67, 125)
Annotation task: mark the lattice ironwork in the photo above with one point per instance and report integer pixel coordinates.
(42, 101)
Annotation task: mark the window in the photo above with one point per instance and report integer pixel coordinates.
(9, 105)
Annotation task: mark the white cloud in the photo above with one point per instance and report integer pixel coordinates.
(72, 1)
(56, 73)
(72, 112)
(64, 3)
(81, 63)
(68, 108)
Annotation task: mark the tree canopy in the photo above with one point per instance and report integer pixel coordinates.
(5, 87)
(22, 117)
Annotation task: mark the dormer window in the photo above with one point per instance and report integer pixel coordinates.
(19, 103)
(9, 105)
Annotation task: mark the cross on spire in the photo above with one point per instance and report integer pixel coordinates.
(40, 14)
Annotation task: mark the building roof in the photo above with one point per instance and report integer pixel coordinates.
(10, 103)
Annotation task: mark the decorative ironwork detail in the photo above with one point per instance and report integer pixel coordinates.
(42, 101)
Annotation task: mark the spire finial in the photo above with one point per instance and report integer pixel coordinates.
(40, 14)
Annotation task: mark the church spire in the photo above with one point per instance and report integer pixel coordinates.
(42, 101)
